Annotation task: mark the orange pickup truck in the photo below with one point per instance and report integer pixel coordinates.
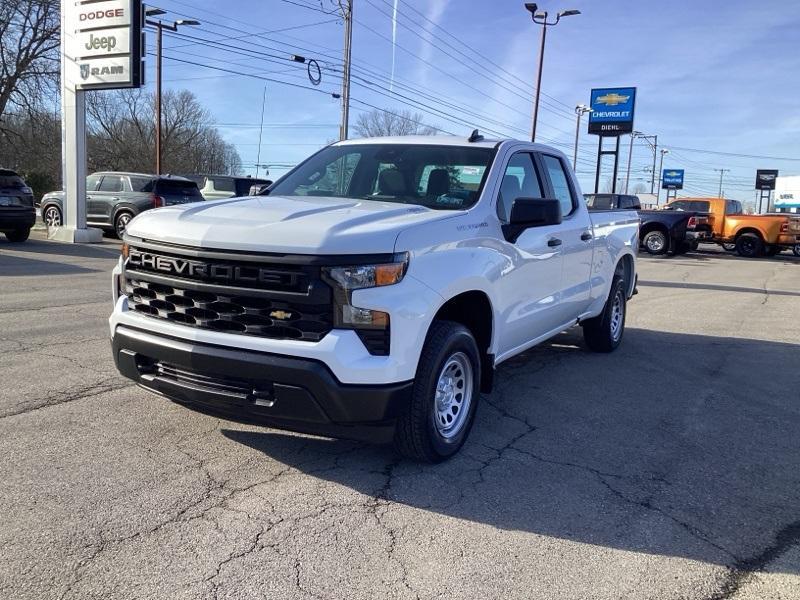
(752, 235)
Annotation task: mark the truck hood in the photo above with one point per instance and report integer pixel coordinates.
(284, 224)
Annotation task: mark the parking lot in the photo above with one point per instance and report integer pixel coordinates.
(668, 469)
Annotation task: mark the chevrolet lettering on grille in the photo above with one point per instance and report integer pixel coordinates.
(212, 272)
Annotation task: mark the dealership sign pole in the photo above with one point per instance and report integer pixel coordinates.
(672, 181)
(611, 116)
(101, 48)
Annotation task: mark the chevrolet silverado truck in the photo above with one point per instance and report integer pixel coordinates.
(751, 235)
(660, 231)
(373, 290)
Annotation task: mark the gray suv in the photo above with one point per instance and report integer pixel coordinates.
(113, 198)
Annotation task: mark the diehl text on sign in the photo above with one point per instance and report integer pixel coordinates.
(612, 111)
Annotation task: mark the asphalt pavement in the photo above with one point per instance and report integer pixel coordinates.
(668, 469)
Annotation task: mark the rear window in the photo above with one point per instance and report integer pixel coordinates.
(9, 179)
(691, 205)
(224, 184)
(598, 202)
(177, 187)
(141, 184)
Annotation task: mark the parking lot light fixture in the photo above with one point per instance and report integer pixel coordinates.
(540, 18)
(580, 110)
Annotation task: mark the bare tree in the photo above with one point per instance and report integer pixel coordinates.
(29, 42)
(378, 123)
(122, 130)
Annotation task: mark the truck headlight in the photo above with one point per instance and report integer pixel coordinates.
(366, 276)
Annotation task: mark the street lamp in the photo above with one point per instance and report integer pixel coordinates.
(160, 27)
(540, 18)
(580, 110)
(660, 172)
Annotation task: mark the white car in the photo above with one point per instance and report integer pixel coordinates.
(373, 292)
(218, 187)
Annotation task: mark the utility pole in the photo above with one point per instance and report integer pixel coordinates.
(634, 134)
(653, 178)
(660, 171)
(347, 12)
(580, 110)
(261, 129)
(160, 27)
(721, 174)
(540, 18)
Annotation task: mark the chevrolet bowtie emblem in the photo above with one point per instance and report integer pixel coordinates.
(672, 174)
(281, 315)
(612, 99)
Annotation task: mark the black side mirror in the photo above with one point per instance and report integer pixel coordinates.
(531, 212)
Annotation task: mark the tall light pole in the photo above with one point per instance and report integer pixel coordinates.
(721, 174)
(634, 135)
(261, 129)
(346, 7)
(160, 27)
(580, 110)
(660, 171)
(540, 18)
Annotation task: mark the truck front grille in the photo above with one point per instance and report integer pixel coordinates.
(272, 301)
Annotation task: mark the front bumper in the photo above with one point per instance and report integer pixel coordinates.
(17, 218)
(257, 387)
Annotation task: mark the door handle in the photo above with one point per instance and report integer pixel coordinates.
(553, 242)
(586, 236)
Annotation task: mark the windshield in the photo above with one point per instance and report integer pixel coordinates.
(439, 177)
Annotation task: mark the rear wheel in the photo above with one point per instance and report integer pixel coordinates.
(749, 245)
(52, 216)
(796, 249)
(18, 235)
(655, 242)
(121, 222)
(604, 332)
(444, 396)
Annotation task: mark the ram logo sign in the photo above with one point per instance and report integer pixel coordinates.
(612, 111)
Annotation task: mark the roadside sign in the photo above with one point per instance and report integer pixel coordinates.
(612, 111)
(103, 44)
(672, 179)
(765, 179)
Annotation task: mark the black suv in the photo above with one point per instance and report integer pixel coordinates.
(113, 198)
(17, 214)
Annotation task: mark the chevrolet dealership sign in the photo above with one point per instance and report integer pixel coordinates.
(612, 111)
(103, 44)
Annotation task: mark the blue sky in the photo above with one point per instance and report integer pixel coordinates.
(711, 75)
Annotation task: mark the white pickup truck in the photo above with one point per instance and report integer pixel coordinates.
(372, 291)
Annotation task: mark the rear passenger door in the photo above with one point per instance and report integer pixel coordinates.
(106, 197)
(575, 233)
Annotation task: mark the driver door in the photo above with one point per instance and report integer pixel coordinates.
(530, 285)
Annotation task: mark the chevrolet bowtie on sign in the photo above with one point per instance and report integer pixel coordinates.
(103, 43)
(612, 111)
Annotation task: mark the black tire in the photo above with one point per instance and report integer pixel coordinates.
(604, 333)
(121, 220)
(52, 217)
(771, 250)
(749, 245)
(417, 435)
(18, 235)
(796, 249)
(655, 242)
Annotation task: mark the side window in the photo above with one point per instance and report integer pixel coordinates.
(224, 184)
(91, 183)
(111, 183)
(560, 183)
(519, 181)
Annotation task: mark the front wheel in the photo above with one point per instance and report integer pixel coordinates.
(655, 242)
(444, 396)
(796, 249)
(52, 216)
(121, 222)
(604, 332)
(18, 235)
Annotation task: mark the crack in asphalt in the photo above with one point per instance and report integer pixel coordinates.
(66, 396)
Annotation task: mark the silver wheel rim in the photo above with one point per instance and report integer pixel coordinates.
(453, 395)
(122, 223)
(617, 316)
(655, 242)
(52, 218)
